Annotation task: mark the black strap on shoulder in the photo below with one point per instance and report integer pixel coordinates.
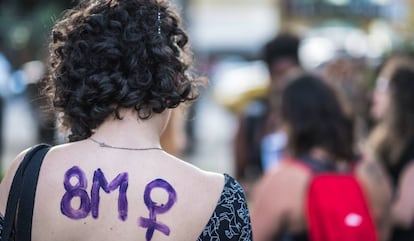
(22, 193)
(318, 166)
(27, 197)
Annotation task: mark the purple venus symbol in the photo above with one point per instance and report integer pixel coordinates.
(151, 223)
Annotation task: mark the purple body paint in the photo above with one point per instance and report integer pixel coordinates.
(99, 181)
(121, 181)
(154, 209)
(77, 190)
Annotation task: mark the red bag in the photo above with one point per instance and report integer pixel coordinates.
(337, 210)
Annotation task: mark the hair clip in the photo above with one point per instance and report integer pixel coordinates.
(159, 22)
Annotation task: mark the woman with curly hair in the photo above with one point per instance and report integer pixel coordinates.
(117, 69)
(392, 140)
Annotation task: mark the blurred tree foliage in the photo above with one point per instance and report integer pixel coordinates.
(25, 27)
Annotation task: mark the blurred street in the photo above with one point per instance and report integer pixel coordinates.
(214, 130)
(19, 129)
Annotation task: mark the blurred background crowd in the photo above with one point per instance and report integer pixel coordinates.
(231, 128)
(346, 39)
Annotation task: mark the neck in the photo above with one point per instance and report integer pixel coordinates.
(132, 132)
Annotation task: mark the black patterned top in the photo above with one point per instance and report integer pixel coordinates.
(1, 228)
(231, 218)
(1, 225)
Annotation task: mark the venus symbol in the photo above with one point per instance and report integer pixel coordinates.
(151, 222)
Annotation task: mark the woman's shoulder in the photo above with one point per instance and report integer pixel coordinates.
(225, 205)
(288, 168)
(218, 200)
(8, 178)
(232, 191)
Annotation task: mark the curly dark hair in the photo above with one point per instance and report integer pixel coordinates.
(315, 119)
(106, 55)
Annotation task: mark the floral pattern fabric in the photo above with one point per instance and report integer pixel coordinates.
(231, 219)
(1, 228)
(1, 225)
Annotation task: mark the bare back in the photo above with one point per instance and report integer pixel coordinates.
(150, 194)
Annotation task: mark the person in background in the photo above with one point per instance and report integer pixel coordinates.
(260, 117)
(117, 68)
(392, 140)
(348, 77)
(319, 140)
(45, 119)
